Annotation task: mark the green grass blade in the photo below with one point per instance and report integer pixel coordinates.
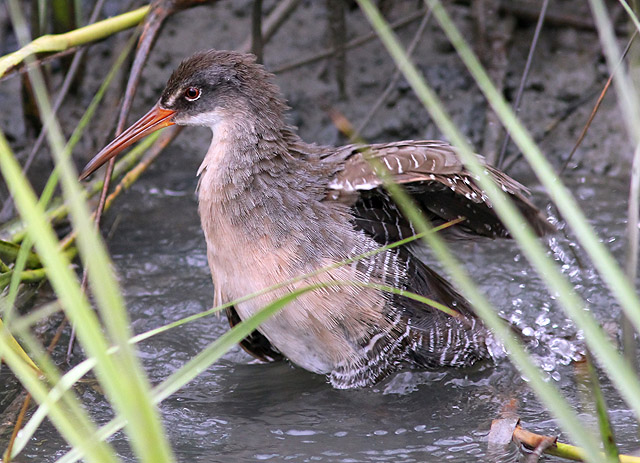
(11, 343)
(73, 424)
(618, 368)
(122, 377)
(604, 423)
(627, 98)
(606, 265)
(550, 396)
(25, 256)
(625, 379)
(202, 361)
(77, 372)
(629, 342)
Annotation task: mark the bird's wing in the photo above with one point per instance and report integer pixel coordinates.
(435, 177)
(255, 344)
(416, 333)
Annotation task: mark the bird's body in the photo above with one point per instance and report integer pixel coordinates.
(286, 226)
(274, 207)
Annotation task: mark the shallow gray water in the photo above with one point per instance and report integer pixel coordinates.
(237, 411)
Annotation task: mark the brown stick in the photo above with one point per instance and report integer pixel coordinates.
(523, 80)
(132, 175)
(272, 22)
(351, 44)
(583, 133)
(337, 34)
(396, 76)
(532, 440)
(16, 427)
(495, 35)
(531, 11)
(540, 449)
(256, 31)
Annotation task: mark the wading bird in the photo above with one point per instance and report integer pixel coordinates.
(274, 207)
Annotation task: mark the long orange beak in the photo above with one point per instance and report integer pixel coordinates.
(155, 119)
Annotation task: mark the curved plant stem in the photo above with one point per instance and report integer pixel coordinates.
(594, 111)
(532, 440)
(81, 36)
(523, 80)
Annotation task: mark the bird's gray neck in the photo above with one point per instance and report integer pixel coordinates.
(250, 178)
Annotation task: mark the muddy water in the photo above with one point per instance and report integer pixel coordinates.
(238, 411)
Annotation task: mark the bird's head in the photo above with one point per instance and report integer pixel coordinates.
(206, 89)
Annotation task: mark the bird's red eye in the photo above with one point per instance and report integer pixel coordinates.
(192, 93)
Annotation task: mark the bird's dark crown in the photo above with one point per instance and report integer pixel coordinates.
(221, 80)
